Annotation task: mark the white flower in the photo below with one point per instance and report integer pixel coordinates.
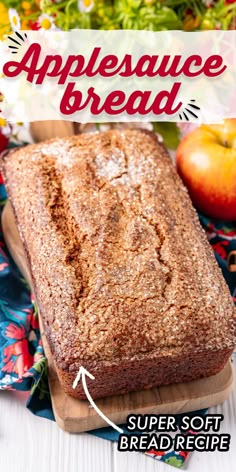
(14, 19)
(7, 379)
(20, 133)
(46, 22)
(207, 3)
(85, 5)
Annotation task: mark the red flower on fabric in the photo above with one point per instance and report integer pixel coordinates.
(17, 358)
(34, 322)
(183, 454)
(14, 331)
(156, 453)
(226, 233)
(32, 318)
(219, 248)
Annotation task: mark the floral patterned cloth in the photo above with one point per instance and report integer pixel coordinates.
(222, 237)
(22, 361)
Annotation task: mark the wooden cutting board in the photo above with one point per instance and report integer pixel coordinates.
(75, 415)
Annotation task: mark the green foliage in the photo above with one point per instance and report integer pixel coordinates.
(174, 461)
(134, 14)
(170, 133)
(138, 14)
(41, 384)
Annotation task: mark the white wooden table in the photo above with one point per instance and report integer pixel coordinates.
(31, 444)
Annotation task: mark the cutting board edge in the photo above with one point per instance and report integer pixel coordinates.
(70, 424)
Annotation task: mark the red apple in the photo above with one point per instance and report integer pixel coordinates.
(206, 162)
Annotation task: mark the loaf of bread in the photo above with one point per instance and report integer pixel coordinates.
(125, 280)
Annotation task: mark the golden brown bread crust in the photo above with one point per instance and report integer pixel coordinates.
(125, 279)
(133, 375)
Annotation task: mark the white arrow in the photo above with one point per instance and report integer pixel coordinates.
(82, 374)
